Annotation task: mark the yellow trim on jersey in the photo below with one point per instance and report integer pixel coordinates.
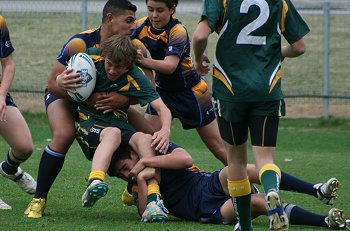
(217, 74)
(284, 14)
(270, 167)
(239, 188)
(83, 116)
(132, 81)
(96, 58)
(275, 79)
(89, 31)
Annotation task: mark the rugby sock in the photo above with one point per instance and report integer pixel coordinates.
(153, 192)
(11, 163)
(240, 191)
(50, 166)
(299, 216)
(291, 183)
(270, 177)
(96, 174)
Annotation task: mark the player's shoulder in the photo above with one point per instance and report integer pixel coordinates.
(2, 19)
(2, 22)
(178, 28)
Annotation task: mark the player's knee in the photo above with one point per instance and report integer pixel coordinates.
(24, 151)
(64, 132)
(258, 205)
(142, 139)
(112, 132)
(62, 138)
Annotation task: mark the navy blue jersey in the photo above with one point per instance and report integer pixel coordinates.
(172, 40)
(6, 47)
(191, 193)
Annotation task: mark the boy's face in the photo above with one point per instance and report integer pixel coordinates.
(159, 14)
(123, 167)
(114, 71)
(123, 24)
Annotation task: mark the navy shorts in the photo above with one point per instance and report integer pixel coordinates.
(50, 97)
(193, 107)
(198, 196)
(9, 101)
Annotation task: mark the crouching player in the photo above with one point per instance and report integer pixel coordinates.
(100, 134)
(196, 195)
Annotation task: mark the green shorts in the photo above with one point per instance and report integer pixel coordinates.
(239, 111)
(89, 131)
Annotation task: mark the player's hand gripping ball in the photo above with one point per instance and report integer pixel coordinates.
(82, 63)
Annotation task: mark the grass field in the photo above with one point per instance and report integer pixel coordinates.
(311, 149)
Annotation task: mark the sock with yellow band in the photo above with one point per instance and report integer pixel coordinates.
(96, 175)
(240, 191)
(270, 176)
(153, 193)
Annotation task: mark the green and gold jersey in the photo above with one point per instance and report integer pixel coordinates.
(133, 83)
(247, 63)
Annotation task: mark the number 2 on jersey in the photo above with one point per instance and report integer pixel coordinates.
(243, 36)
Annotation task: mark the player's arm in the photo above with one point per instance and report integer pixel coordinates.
(200, 41)
(161, 138)
(58, 75)
(145, 177)
(166, 66)
(179, 158)
(140, 47)
(293, 50)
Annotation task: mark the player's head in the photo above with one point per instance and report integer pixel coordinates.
(123, 160)
(160, 11)
(119, 54)
(119, 17)
(168, 3)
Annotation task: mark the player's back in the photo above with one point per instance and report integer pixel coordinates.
(248, 51)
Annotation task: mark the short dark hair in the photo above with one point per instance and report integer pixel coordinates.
(116, 7)
(168, 3)
(122, 153)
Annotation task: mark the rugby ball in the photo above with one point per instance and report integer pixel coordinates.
(82, 63)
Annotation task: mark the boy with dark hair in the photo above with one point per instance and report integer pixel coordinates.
(197, 195)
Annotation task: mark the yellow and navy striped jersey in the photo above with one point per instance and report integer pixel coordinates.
(6, 47)
(173, 39)
(79, 43)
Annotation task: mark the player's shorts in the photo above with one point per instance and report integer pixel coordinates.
(197, 199)
(50, 97)
(9, 100)
(261, 118)
(239, 111)
(193, 107)
(89, 131)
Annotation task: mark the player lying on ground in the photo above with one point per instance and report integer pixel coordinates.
(196, 195)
